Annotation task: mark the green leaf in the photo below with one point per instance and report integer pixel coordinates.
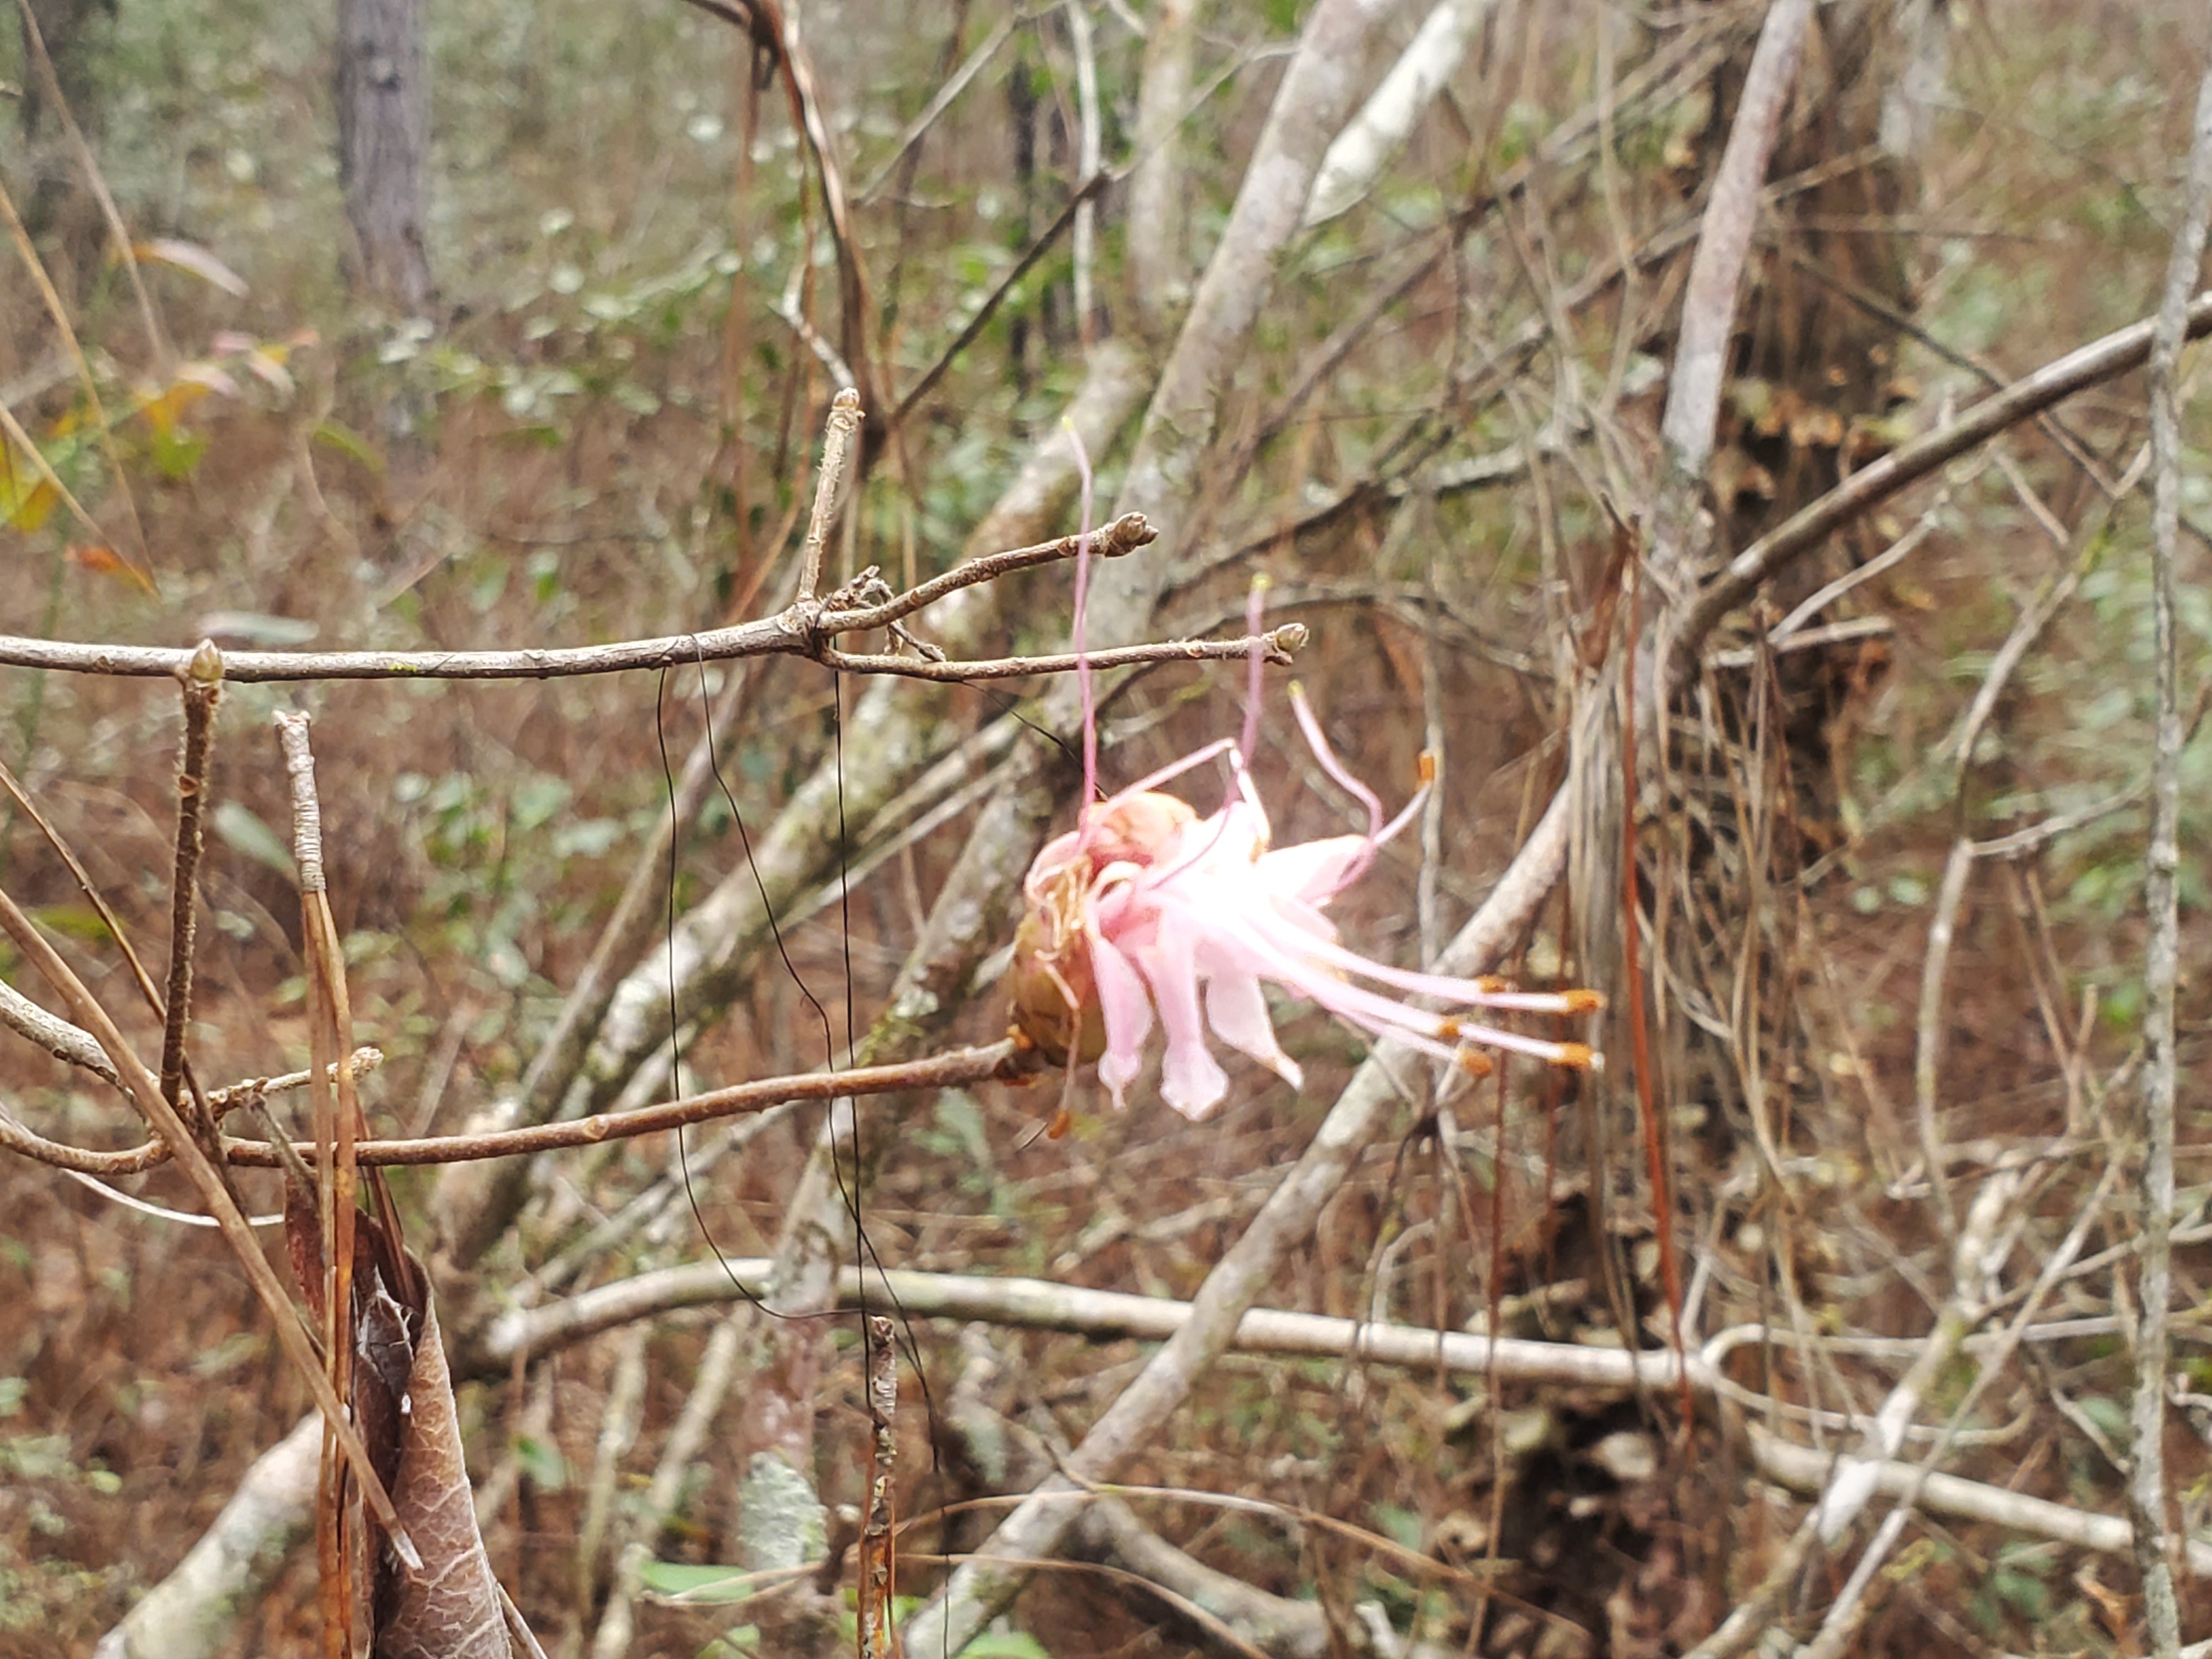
(536, 800)
(79, 922)
(178, 452)
(542, 1462)
(238, 829)
(700, 1586)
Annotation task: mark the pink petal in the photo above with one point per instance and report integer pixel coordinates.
(1236, 1008)
(1315, 872)
(1191, 1080)
(1128, 1011)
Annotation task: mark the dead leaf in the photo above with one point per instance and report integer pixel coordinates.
(192, 259)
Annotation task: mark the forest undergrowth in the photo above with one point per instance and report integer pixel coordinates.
(1879, 1023)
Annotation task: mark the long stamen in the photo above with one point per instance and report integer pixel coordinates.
(1406, 813)
(1318, 742)
(1335, 768)
(1325, 972)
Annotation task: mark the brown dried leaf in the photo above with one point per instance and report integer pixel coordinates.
(451, 1609)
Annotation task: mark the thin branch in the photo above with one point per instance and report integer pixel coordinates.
(2103, 360)
(1115, 1315)
(52, 1033)
(939, 101)
(1277, 646)
(202, 690)
(77, 1046)
(1001, 1062)
(58, 312)
(1125, 535)
(976, 325)
(2161, 957)
(679, 1458)
(798, 631)
(1928, 1045)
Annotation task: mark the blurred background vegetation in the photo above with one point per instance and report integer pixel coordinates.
(600, 423)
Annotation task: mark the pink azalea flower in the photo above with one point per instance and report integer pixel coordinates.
(1145, 910)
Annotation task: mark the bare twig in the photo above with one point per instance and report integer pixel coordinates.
(126, 255)
(1000, 1061)
(2161, 962)
(845, 417)
(1277, 646)
(710, 1386)
(2115, 354)
(976, 325)
(1112, 1315)
(790, 633)
(877, 1581)
(52, 1033)
(1928, 1047)
(939, 101)
(58, 314)
(621, 1418)
(203, 689)
(68, 1044)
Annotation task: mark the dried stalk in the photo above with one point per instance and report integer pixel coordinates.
(335, 1170)
(145, 1094)
(845, 418)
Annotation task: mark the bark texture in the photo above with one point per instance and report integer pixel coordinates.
(383, 138)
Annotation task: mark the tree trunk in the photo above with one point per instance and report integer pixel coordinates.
(383, 123)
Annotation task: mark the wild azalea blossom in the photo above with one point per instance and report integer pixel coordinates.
(1146, 909)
